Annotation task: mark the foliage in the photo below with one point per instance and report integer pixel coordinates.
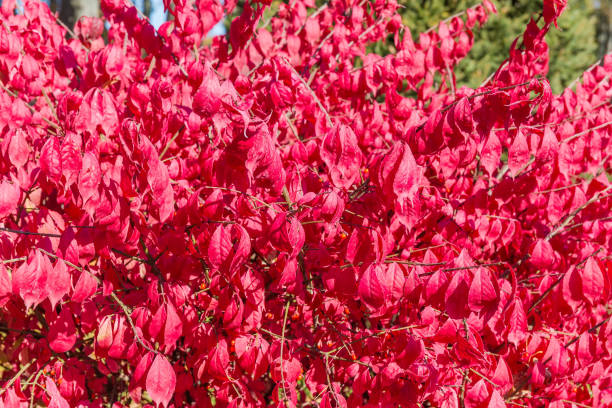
(573, 47)
(267, 220)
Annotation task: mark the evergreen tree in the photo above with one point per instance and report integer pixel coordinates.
(573, 46)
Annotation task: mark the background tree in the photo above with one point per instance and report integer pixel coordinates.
(573, 47)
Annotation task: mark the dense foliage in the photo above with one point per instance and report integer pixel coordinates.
(272, 219)
(573, 47)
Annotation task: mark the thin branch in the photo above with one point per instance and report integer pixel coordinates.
(316, 98)
(282, 340)
(598, 62)
(41, 234)
(16, 376)
(126, 310)
(591, 330)
(584, 132)
(573, 214)
(556, 283)
(7, 261)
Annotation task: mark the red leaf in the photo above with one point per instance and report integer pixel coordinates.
(218, 360)
(173, 329)
(457, 295)
(71, 157)
(58, 282)
(252, 353)
(484, 290)
(287, 234)
(29, 280)
(503, 376)
(592, 281)
(549, 147)
(50, 158)
(163, 195)
(572, 287)
(542, 255)
(490, 154)
(62, 332)
(516, 322)
(57, 401)
(372, 289)
(96, 113)
(161, 381)
(219, 247)
(341, 155)
(85, 287)
(477, 395)
(462, 114)
(6, 286)
(89, 177)
(518, 154)
(18, 148)
(407, 174)
(332, 400)
(556, 358)
(9, 198)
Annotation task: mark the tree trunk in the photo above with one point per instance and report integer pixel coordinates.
(72, 10)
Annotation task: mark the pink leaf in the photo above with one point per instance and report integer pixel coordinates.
(218, 360)
(491, 154)
(29, 280)
(85, 287)
(161, 381)
(483, 290)
(9, 198)
(518, 154)
(18, 149)
(542, 255)
(372, 287)
(516, 322)
(503, 376)
(592, 281)
(58, 282)
(57, 401)
(62, 332)
(89, 176)
(104, 337)
(173, 328)
(50, 158)
(341, 155)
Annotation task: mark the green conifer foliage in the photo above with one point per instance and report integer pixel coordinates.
(573, 47)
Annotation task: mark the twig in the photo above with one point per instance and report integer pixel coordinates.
(591, 330)
(584, 132)
(16, 376)
(23, 258)
(316, 98)
(446, 20)
(598, 62)
(231, 190)
(281, 356)
(126, 310)
(174, 136)
(556, 283)
(41, 234)
(34, 384)
(573, 214)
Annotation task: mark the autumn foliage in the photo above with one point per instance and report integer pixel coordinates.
(281, 218)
